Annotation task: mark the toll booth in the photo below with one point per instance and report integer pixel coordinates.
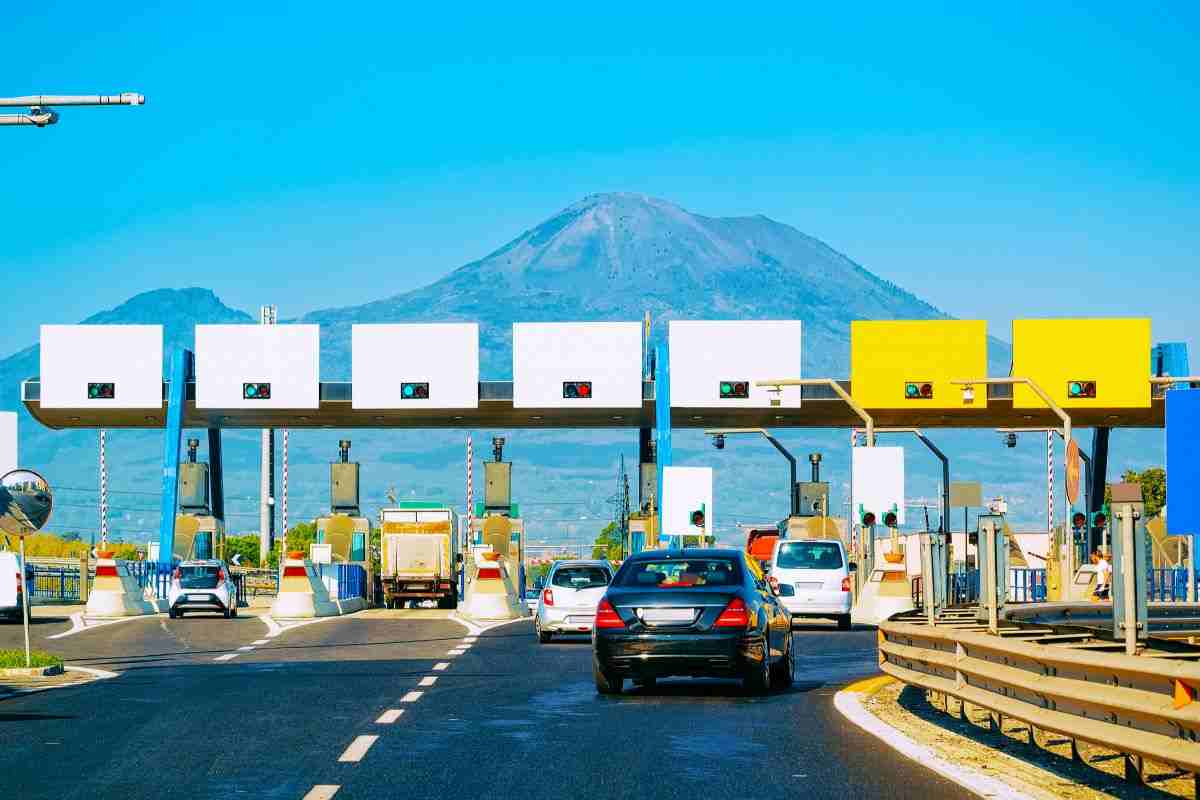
(344, 528)
(198, 533)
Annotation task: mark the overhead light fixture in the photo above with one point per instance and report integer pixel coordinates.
(968, 393)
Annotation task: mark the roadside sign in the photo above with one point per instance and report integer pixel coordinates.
(1183, 461)
(321, 553)
(1073, 462)
(966, 494)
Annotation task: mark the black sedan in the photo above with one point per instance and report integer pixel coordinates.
(691, 612)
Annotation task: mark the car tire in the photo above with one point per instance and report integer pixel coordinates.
(172, 613)
(227, 613)
(757, 679)
(606, 682)
(233, 612)
(179, 614)
(843, 622)
(543, 637)
(782, 670)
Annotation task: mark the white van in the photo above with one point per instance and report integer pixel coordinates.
(812, 578)
(10, 585)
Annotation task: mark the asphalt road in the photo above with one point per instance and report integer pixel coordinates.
(505, 716)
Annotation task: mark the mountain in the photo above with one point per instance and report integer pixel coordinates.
(607, 257)
(618, 256)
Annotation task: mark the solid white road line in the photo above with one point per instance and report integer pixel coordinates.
(247, 648)
(428, 680)
(465, 646)
(389, 716)
(99, 673)
(471, 639)
(358, 748)
(411, 697)
(322, 791)
(850, 705)
(79, 623)
(225, 657)
(259, 642)
(441, 665)
(455, 652)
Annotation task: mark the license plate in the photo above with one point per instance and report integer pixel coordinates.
(665, 616)
(808, 586)
(580, 620)
(418, 587)
(197, 597)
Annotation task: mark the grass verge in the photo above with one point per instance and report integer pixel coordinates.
(38, 658)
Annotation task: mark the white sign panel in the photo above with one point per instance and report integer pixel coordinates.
(714, 364)
(8, 441)
(577, 365)
(415, 366)
(877, 482)
(101, 366)
(320, 553)
(258, 366)
(687, 490)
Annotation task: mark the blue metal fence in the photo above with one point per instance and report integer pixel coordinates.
(344, 581)
(1027, 585)
(54, 583)
(964, 587)
(1168, 585)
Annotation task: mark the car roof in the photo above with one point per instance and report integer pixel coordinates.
(687, 552)
(202, 562)
(580, 562)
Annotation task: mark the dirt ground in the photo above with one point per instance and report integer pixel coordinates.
(1045, 770)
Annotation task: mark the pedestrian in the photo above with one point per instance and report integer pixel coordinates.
(1103, 575)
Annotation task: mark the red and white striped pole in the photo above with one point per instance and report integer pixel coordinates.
(283, 547)
(470, 484)
(1050, 481)
(103, 495)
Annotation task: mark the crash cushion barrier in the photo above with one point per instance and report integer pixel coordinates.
(492, 594)
(302, 594)
(115, 591)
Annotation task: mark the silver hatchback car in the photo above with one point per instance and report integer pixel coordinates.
(568, 601)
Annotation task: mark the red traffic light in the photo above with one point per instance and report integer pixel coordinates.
(868, 518)
(918, 390)
(889, 519)
(577, 390)
(734, 390)
(101, 391)
(1078, 520)
(698, 518)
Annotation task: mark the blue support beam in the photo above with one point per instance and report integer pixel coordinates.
(216, 474)
(180, 373)
(662, 423)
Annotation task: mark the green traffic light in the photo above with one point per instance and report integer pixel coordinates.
(1076, 389)
(250, 390)
(911, 389)
(408, 390)
(726, 388)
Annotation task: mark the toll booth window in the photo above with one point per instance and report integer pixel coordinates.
(358, 547)
(581, 577)
(681, 573)
(1084, 577)
(809, 555)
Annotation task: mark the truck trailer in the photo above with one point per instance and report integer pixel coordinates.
(419, 554)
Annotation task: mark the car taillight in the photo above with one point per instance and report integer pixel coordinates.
(178, 574)
(846, 584)
(547, 597)
(19, 582)
(220, 575)
(606, 616)
(734, 615)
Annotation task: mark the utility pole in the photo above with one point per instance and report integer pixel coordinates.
(266, 507)
(41, 112)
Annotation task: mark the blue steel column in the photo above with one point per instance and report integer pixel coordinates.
(662, 424)
(216, 473)
(181, 368)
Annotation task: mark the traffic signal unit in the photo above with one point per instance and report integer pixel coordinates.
(102, 391)
(1081, 390)
(577, 390)
(698, 517)
(918, 390)
(414, 391)
(256, 391)
(735, 390)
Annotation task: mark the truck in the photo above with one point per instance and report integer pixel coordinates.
(419, 554)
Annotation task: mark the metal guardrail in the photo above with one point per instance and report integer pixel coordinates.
(1142, 706)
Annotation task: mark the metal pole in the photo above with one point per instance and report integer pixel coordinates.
(1191, 570)
(1129, 580)
(795, 497)
(283, 546)
(25, 604)
(989, 580)
(1050, 481)
(103, 495)
(868, 420)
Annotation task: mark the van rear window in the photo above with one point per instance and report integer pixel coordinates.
(809, 555)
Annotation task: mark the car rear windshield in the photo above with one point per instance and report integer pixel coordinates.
(678, 573)
(581, 577)
(809, 555)
(198, 577)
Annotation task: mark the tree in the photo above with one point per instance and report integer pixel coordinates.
(298, 538)
(245, 546)
(1153, 481)
(608, 543)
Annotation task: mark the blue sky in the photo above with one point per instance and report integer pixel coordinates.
(1026, 162)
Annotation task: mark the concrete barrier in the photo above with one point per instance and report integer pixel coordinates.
(115, 593)
(302, 593)
(492, 592)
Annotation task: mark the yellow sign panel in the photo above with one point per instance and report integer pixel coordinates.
(910, 363)
(1083, 363)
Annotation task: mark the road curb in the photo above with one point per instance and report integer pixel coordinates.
(848, 702)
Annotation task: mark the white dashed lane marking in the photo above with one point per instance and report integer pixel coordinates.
(455, 652)
(428, 680)
(259, 642)
(441, 665)
(247, 648)
(225, 657)
(358, 748)
(389, 716)
(411, 697)
(322, 791)
(470, 638)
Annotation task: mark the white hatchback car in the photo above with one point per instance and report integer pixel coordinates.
(202, 585)
(812, 578)
(569, 600)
